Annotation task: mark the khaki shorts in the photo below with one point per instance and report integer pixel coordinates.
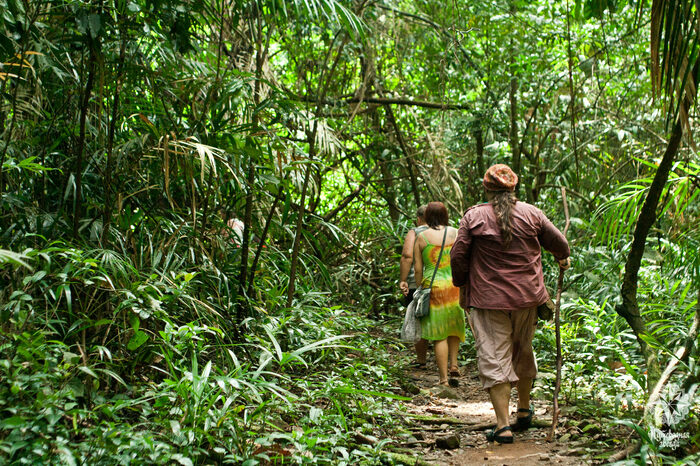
(504, 344)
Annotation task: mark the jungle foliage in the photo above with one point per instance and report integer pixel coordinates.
(139, 324)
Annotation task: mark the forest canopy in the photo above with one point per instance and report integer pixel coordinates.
(203, 204)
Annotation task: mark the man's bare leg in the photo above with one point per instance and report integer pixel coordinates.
(500, 397)
(524, 388)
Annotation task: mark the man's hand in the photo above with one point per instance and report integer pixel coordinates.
(404, 287)
(565, 263)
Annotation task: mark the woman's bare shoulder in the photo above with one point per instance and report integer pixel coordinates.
(420, 240)
(452, 233)
(431, 235)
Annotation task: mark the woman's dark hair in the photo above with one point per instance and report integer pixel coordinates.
(435, 214)
(503, 202)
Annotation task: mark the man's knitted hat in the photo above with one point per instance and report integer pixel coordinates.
(500, 177)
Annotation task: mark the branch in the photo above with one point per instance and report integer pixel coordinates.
(568, 190)
(621, 455)
(384, 101)
(344, 203)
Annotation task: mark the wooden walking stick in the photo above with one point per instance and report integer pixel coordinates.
(557, 307)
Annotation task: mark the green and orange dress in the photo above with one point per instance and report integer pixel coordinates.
(446, 318)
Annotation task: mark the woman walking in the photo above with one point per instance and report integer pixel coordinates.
(445, 323)
(496, 259)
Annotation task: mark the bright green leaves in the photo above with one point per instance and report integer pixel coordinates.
(28, 164)
(139, 337)
(333, 11)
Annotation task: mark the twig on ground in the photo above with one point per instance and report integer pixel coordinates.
(621, 455)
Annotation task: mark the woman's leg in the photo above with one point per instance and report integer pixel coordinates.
(453, 351)
(421, 347)
(441, 350)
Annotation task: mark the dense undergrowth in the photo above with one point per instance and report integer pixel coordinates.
(104, 365)
(604, 374)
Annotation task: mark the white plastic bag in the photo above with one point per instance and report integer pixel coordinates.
(410, 330)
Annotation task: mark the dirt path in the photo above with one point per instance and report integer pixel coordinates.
(443, 418)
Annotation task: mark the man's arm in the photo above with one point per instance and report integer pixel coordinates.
(554, 241)
(459, 255)
(406, 260)
(418, 260)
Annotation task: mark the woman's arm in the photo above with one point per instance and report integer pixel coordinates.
(418, 259)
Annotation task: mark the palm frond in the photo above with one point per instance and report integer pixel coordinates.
(675, 36)
(12, 257)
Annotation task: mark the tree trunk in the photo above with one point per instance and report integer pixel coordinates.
(263, 237)
(479, 139)
(572, 90)
(245, 243)
(300, 225)
(513, 133)
(107, 213)
(262, 44)
(311, 138)
(80, 152)
(29, 20)
(388, 184)
(409, 158)
(629, 308)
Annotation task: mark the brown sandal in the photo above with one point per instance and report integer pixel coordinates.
(454, 372)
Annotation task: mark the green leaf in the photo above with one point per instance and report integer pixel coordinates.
(30, 165)
(13, 257)
(370, 393)
(137, 340)
(12, 422)
(88, 371)
(315, 414)
(182, 460)
(34, 278)
(135, 322)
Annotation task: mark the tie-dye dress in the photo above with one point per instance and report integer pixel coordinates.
(446, 317)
